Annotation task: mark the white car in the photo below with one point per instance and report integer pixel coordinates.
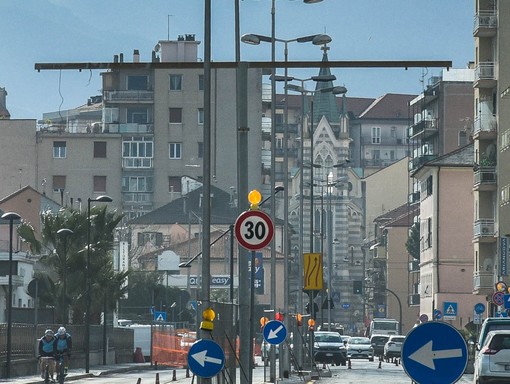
(492, 363)
(393, 346)
(360, 348)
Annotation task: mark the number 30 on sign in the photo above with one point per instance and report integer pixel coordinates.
(254, 229)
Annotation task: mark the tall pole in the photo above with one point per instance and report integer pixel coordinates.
(65, 232)
(11, 216)
(330, 249)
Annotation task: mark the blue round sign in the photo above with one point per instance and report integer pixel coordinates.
(434, 353)
(437, 314)
(274, 332)
(206, 358)
(479, 308)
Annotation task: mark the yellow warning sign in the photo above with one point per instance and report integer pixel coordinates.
(313, 272)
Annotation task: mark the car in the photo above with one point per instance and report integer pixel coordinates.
(378, 342)
(360, 348)
(393, 346)
(492, 364)
(328, 348)
(492, 324)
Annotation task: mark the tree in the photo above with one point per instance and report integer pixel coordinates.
(61, 256)
(413, 241)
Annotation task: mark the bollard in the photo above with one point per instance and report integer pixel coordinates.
(396, 361)
(349, 364)
(379, 364)
(155, 365)
(174, 376)
(139, 381)
(187, 373)
(157, 378)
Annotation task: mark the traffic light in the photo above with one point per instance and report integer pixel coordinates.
(357, 287)
(299, 319)
(278, 316)
(311, 325)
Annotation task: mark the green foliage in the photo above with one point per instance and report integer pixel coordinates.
(413, 241)
(64, 258)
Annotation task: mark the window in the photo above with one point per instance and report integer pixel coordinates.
(462, 138)
(175, 115)
(137, 152)
(59, 183)
(200, 115)
(59, 149)
(174, 184)
(136, 184)
(156, 238)
(174, 150)
(176, 82)
(200, 150)
(376, 135)
(99, 183)
(111, 115)
(99, 149)
(200, 82)
(137, 115)
(393, 131)
(137, 83)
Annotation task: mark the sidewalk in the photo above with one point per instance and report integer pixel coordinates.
(79, 373)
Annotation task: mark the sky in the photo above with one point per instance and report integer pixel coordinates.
(68, 31)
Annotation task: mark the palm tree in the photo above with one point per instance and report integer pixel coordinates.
(64, 259)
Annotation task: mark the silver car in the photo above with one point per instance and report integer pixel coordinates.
(492, 363)
(360, 348)
(393, 346)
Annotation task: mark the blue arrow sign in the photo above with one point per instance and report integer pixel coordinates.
(434, 353)
(275, 332)
(206, 358)
(507, 301)
(437, 315)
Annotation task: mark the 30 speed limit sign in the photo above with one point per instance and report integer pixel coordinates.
(254, 229)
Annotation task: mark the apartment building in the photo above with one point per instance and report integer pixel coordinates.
(491, 133)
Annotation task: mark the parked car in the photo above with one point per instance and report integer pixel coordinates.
(393, 346)
(492, 363)
(378, 342)
(360, 348)
(328, 348)
(492, 324)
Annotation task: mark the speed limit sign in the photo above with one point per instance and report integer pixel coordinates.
(254, 229)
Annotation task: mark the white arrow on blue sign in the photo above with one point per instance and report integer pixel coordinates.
(274, 332)
(434, 353)
(507, 301)
(206, 358)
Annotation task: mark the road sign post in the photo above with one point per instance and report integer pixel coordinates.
(434, 353)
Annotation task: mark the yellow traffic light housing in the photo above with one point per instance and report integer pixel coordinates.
(254, 197)
(208, 316)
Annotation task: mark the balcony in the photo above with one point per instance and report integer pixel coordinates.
(131, 96)
(137, 162)
(483, 282)
(484, 230)
(485, 24)
(417, 162)
(485, 127)
(426, 128)
(485, 179)
(414, 266)
(485, 75)
(17, 281)
(129, 128)
(414, 198)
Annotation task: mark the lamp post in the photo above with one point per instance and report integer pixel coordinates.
(65, 233)
(10, 216)
(102, 199)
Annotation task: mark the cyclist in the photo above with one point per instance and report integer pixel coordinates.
(64, 345)
(47, 350)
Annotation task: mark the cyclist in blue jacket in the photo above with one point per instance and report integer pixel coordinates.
(64, 345)
(47, 349)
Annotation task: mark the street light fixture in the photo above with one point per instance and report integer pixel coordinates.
(100, 199)
(65, 233)
(10, 216)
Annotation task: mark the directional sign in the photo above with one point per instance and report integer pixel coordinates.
(274, 332)
(254, 229)
(437, 315)
(434, 353)
(206, 358)
(449, 310)
(498, 298)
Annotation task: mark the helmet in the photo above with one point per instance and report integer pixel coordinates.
(61, 331)
(48, 332)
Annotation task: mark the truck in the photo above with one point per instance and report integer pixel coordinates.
(382, 326)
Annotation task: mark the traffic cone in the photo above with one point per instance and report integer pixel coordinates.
(157, 378)
(174, 376)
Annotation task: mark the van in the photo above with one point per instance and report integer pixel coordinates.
(492, 324)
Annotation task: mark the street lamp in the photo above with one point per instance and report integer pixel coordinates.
(64, 232)
(100, 199)
(11, 216)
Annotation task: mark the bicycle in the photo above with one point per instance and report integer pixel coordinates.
(46, 361)
(61, 368)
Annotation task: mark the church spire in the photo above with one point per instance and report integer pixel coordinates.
(325, 104)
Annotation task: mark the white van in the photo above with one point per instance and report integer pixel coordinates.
(384, 327)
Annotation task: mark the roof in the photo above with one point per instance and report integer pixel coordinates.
(188, 209)
(399, 217)
(462, 157)
(389, 106)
